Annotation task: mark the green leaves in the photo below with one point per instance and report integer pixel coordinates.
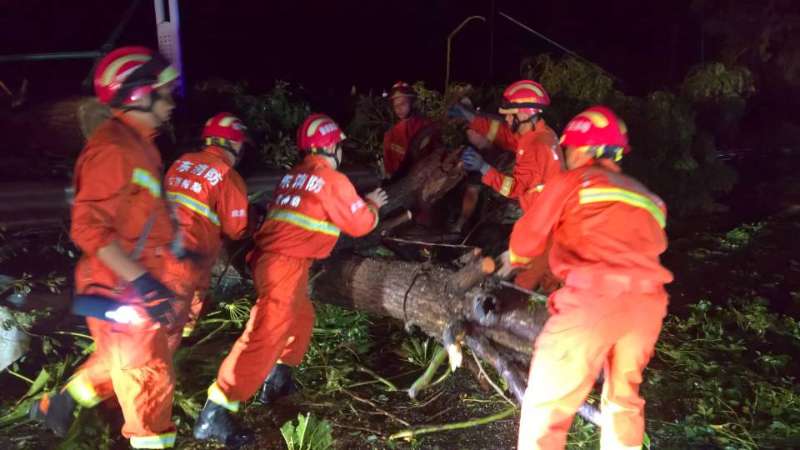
(721, 371)
(308, 434)
(715, 81)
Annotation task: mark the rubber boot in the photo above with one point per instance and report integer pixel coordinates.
(55, 411)
(278, 384)
(216, 423)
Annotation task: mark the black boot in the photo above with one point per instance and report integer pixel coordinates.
(56, 411)
(215, 422)
(278, 384)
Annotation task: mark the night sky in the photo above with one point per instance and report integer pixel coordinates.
(330, 46)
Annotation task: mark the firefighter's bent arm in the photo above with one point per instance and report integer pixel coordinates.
(352, 214)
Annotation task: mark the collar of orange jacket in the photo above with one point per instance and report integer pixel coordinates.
(143, 129)
(317, 161)
(219, 152)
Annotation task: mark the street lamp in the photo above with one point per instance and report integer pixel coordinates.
(449, 39)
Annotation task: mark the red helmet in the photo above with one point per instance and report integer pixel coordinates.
(223, 129)
(600, 129)
(401, 89)
(128, 74)
(524, 96)
(318, 131)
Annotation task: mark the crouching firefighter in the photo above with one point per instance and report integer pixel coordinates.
(608, 233)
(122, 224)
(312, 205)
(210, 200)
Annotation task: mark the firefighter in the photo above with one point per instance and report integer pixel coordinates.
(411, 132)
(210, 200)
(312, 205)
(608, 233)
(121, 222)
(538, 157)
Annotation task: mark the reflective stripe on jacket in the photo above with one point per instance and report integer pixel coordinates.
(311, 205)
(117, 189)
(210, 199)
(603, 222)
(538, 159)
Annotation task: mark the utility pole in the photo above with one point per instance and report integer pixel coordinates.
(491, 16)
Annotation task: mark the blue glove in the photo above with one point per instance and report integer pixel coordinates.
(473, 161)
(156, 298)
(459, 111)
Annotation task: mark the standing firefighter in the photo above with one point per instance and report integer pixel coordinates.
(210, 199)
(312, 205)
(608, 233)
(411, 137)
(538, 156)
(121, 223)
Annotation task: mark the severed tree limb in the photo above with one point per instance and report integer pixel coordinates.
(425, 379)
(487, 352)
(469, 276)
(410, 434)
(516, 380)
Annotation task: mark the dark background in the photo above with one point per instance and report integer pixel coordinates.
(330, 46)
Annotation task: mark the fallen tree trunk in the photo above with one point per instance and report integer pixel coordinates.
(428, 180)
(416, 294)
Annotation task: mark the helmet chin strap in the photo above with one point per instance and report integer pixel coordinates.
(335, 155)
(225, 145)
(516, 123)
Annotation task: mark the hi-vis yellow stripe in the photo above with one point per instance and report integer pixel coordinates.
(146, 180)
(595, 195)
(166, 440)
(517, 259)
(215, 395)
(505, 188)
(82, 391)
(194, 206)
(494, 126)
(303, 221)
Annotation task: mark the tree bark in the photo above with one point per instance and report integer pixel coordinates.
(417, 294)
(428, 180)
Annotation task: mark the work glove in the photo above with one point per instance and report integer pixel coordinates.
(473, 161)
(378, 197)
(155, 298)
(460, 111)
(506, 269)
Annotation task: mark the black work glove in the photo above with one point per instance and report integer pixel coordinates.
(156, 299)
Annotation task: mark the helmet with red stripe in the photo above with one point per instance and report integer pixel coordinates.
(318, 132)
(128, 74)
(224, 128)
(599, 131)
(524, 96)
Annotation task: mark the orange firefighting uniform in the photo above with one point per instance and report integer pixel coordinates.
(608, 233)
(117, 190)
(399, 138)
(538, 160)
(312, 205)
(210, 200)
